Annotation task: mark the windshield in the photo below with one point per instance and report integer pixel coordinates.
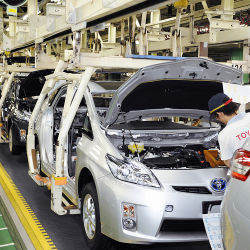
(32, 85)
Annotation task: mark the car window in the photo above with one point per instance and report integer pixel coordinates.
(87, 129)
(32, 84)
(60, 102)
(17, 90)
(52, 97)
(57, 98)
(101, 102)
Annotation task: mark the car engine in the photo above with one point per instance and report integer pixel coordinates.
(169, 158)
(168, 144)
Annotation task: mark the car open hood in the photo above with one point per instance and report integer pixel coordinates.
(185, 84)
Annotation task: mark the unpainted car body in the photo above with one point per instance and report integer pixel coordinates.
(141, 163)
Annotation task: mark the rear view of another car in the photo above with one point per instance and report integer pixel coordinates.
(18, 107)
(236, 203)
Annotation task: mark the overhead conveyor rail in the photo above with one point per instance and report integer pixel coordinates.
(133, 8)
(166, 27)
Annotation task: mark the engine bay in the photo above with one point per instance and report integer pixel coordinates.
(173, 157)
(168, 143)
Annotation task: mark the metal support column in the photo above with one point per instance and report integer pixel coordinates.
(228, 6)
(1, 28)
(59, 180)
(246, 58)
(32, 7)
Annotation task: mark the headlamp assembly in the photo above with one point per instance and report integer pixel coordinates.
(131, 171)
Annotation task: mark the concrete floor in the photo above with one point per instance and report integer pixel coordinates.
(65, 231)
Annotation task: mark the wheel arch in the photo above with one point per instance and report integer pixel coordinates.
(85, 177)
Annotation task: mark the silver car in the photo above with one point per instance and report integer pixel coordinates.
(236, 204)
(141, 161)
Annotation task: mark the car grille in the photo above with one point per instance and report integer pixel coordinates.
(182, 226)
(192, 189)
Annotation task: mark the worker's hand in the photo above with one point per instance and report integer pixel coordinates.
(196, 123)
(228, 163)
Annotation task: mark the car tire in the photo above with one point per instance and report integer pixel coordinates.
(90, 217)
(14, 149)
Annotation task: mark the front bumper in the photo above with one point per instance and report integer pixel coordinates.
(154, 224)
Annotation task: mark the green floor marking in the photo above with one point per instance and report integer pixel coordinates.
(2, 224)
(5, 237)
(6, 241)
(12, 231)
(8, 248)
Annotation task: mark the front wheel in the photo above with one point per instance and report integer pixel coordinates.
(14, 149)
(91, 219)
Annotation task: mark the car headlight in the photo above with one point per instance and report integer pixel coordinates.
(131, 171)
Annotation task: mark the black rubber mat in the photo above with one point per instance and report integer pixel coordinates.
(65, 231)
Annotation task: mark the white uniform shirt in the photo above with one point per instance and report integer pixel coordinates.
(233, 136)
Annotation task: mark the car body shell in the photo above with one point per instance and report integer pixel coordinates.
(150, 202)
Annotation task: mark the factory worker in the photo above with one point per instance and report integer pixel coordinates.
(237, 125)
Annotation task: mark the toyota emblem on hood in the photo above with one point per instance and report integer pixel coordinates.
(218, 184)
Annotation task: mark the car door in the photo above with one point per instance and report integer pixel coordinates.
(50, 125)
